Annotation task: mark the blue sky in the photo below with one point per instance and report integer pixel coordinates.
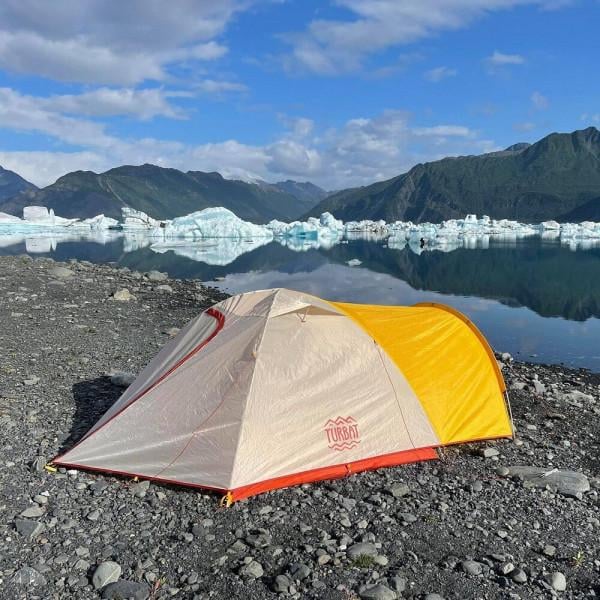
(340, 92)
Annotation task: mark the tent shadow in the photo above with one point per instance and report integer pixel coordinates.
(92, 399)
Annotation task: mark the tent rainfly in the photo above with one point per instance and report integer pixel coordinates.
(274, 388)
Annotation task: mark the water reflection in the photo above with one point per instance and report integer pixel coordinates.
(533, 296)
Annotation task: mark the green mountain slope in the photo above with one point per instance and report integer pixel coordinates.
(558, 178)
(12, 184)
(161, 193)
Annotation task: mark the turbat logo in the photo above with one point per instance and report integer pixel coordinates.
(342, 433)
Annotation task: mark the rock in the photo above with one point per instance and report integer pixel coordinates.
(569, 483)
(433, 597)
(282, 584)
(471, 567)
(506, 357)
(93, 516)
(164, 288)
(123, 295)
(253, 570)
(398, 583)
(60, 272)
(106, 572)
(122, 588)
(489, 452)
(29, 577)
(539, 387)
(139, 489)
(549, 550)
(122, 378)
(157, 276)
(557, 581)
(519, 576)
(29, 529)
(258, 538)
(398, 490)
(377, 592)
(577, 397)
(299, 571)
(361, 549)
(34, 380)
(32, 512)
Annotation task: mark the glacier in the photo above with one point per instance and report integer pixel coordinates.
(218, 236)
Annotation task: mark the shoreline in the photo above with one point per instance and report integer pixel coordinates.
(451, 527)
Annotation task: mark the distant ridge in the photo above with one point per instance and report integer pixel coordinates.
(163, 194)
(12, 184)
(558, 177)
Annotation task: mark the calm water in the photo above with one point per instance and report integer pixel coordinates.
(533, 298)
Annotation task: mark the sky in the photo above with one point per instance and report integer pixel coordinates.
(338, 92)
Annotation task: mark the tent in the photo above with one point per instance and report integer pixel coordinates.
(273, 388)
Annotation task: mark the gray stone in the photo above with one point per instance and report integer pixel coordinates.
(106, 572)
(29, 529)
(121, 589)
(433, 597)
(471, 567)
(539, 387)
(140, 489)
(282, 584)
(557, 581)
(377, 592)
(60, 272)
(299, 571)
(32, 512)
(519, 576)
(164, 288)
(361, 549)
(93, 516)
(253, 570)
(258, 538)
(123, 295)
(549, 550)
(398, 490)
(29, 577)
(489, 452)
(398, 583)
(569, 483)
(157, 276)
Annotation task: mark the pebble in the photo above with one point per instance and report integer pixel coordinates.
(253, 570)
(60, 272)
(361, 549)
(105, 573)
(557, 581)
(123, 295)
(29, 577)
(118, 590)
(157, 276)
(32, 512)
(377, 592)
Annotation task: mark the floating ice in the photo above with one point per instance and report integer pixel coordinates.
(354, 262)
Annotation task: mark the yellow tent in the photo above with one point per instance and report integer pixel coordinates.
(276, 387)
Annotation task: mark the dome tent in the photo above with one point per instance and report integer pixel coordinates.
(274, 388)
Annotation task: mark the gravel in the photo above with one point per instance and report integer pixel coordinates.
(470, 525)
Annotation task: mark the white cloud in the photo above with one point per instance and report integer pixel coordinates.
(539, 101)
(103, 102)
(359, 152)
(336, 46)
(436, 75)
(109, 42)
(499, 59)
(212, 86)
(593, 118)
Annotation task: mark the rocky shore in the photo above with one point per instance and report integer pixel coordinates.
(471, 525)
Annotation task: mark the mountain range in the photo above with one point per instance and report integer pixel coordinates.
(557, 177)
(163, 194)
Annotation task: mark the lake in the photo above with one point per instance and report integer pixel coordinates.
(532, 297)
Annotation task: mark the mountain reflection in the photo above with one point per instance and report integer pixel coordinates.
(537, 272)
